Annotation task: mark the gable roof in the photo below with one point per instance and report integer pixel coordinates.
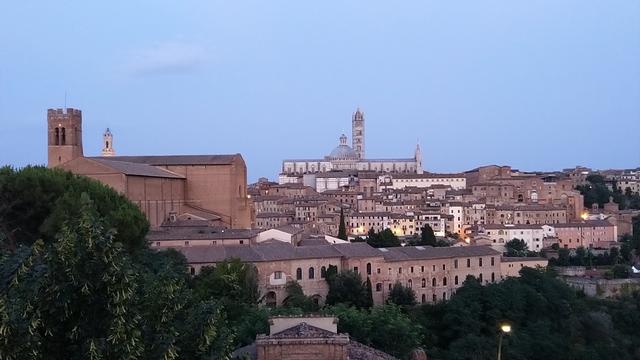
(179, 159)
(428, 252)
(135, 169)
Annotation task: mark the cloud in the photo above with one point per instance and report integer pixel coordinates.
(167, 58)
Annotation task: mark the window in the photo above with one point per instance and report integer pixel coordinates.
(492, 261)
(312, 273)
(157, 243)
(444, 266)
(435, 298)
(444, 281)
(278, 275)
(444, 296)
(389, 286)
(468, 263)
(298, 274)
(493, 277)
(186, 243)
(241, 242)
(410, 283)
(368, 268)
(422, 268)
(412, 269)
(434, 268)
(480, 262)
(379, 287)
(355, 269)
(378, 270)
(323, 272)
(480, 278)
(424, 298)
(193, 271)
(455, 263)
(455, 280)
(399, 270)
(424, 282)
(433, 282)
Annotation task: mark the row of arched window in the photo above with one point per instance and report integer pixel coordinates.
(311, 273)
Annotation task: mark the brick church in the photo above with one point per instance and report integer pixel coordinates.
(210, 188)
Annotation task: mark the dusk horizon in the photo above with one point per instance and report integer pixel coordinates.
(539, 87)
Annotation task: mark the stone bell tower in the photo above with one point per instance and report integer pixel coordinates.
(107, 140)
(64, 129)
(357, 133)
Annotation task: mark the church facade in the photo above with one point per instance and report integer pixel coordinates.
(345, 157)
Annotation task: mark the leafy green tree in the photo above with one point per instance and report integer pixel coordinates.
(427, 237)
(347, 288)
(297, 299)
(374, 327)
(35, 202)
(516, 247)
(342, 228)
(402, 295)
(620, 271)
(385, 238)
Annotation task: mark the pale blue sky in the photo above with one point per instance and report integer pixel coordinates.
(534, 84)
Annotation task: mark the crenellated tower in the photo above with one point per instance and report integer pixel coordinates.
(357, 133)
(64, 128)
(107, 140)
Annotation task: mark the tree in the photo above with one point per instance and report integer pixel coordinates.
(427, 237)
(342, 228)
(402, 295)
(347, 288)
(385, 327)
(83, 296)
(516, 247)
(385, 238)
(36, 201)
(297, 299)
(620, 271)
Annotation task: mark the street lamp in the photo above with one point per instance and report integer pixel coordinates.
(504, 329)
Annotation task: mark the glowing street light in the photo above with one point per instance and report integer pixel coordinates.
(504, 329)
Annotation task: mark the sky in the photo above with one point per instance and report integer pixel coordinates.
(538, 85)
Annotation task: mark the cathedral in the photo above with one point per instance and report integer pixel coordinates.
(345, 157)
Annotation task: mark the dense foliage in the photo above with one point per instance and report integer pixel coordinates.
(402, 295)
(596, 191)
(549, 321)
(347, 287)
(384, 238)
(35, 202)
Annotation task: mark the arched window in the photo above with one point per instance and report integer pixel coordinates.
(480, 278)
(455, 280)
(323, 272)
(424, 298)
(444, 281)
(57, 137)
(63, 137)
(493, 277)
(298, 274)
(410, 283)
(311, 273)
(444, 296)
(424, 283)
(106, 145)
(433, 282)
(368, 268)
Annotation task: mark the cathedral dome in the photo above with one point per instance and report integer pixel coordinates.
(343, 151)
